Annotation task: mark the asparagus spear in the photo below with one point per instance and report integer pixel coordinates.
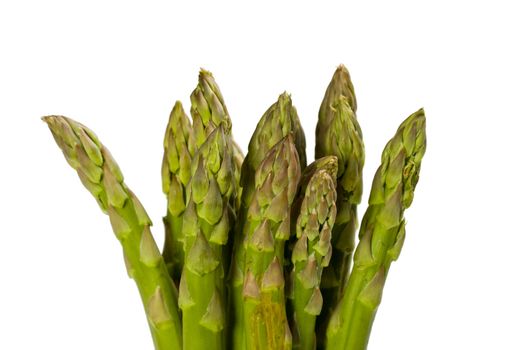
(278, 121)
(267, 228)
(338, 133)
(381, 235)
(206, 227)
(101, 175)
(208, 110)
(313, 249)
(176, 166)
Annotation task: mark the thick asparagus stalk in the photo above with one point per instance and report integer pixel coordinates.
(338, 133)
(312, 250)
(101, 175)
(278, 121)
(206, 227)
(176, 168)
(266, 230)
(381, 235)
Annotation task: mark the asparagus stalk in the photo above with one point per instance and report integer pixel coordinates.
(176, 170)
(101, 175)
(278, 121)
(266, 230)
(206, 227)
(338, 133)
(313, 249)
(381, 235)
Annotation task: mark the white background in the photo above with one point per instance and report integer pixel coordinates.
(119, 66)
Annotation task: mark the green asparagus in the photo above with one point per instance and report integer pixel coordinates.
(267, 228)
(258, 250)
(206, 229)
(208, 110)
(312, 249)
(338, 133)
(381, 235)
(101, 175)
(176, 166)
(278, 121)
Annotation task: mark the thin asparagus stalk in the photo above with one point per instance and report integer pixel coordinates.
(101, 175)
(312, 251)
(278, 121)
(176, 168)
(381, 235)
(338, 133)
(206, 227)
(266, 230)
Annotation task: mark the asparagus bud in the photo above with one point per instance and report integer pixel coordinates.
(208, 110)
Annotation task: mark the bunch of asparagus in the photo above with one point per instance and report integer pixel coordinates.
(259, 251)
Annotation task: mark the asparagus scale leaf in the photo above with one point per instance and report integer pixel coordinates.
(381, 235)
(101, 175)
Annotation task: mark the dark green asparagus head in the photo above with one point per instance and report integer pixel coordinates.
(327, 164)
(342, 138)
(398, 174)
(340, 85)
(382, 229)
(95, 166)
(276, 182)
(276, 123)
(101, 175)
(313, 229)
(207, 108)
(176, 164)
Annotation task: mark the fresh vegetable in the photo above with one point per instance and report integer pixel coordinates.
(257, 250)
(101, 175)
(381, 235)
